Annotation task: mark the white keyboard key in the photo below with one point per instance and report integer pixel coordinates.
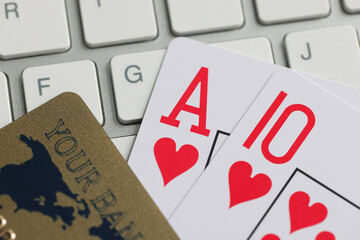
(200, 16)
(259, 48)
(108, 22)
(330, 53)
(277, 11)
(5, 111)
(124, 145)
(352, 6)
(33, 27)
(46, 82)
(133, 78)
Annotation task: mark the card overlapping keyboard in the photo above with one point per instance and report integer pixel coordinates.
(232, 145)
(224, 135)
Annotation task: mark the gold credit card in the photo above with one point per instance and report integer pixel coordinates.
(61, 177)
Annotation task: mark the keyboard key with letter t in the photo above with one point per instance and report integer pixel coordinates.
(278, 11)
(109, 22)
(31, 28)
(46, 82)
(330, 53)
(202, 16)
(5, 111)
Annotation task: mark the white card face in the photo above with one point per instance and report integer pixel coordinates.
(200, 95)
(308, 209)
(291, 124)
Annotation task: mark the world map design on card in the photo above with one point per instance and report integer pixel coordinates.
(61, 177)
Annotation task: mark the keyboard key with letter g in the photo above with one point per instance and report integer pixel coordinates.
(279, 11)
(329, 53)
(133, 77)
(202, 16)
(46, 82)
(31, 28)
(5, 111)
(109, 22)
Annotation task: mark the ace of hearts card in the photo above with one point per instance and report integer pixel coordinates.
(200, 94)
(292, 124)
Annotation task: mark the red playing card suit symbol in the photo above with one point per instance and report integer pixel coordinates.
(302, 215)
(173, 163)
(270, 237)
(243, 187)
(325, 236)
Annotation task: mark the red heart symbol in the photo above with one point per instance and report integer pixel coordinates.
(244, 188)
(325, 236)
(302, 215)
(270, 237)
(173, 163)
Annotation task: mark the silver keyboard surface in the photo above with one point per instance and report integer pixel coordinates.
(253, 26)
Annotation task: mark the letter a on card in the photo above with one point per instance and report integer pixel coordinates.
(202, 79)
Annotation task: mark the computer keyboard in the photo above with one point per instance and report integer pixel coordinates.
(109, 51)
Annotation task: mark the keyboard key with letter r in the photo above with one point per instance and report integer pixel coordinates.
(34, 27)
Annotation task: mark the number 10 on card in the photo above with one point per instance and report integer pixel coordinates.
(277, 126)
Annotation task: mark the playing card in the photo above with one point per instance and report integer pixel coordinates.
(291, 124)
(61, 177)
(307, 209)
(200, 94)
